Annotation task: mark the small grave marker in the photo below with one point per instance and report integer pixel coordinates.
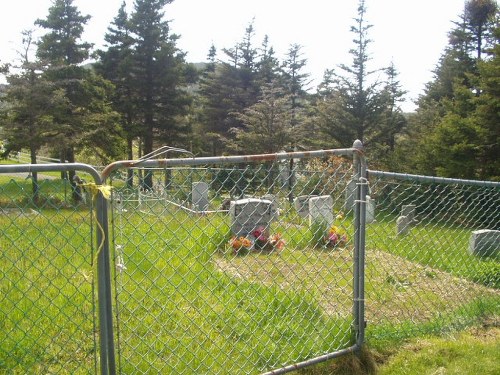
(402, 225)
(301, 204)
(408, 210)
(370, 209)
(349, 195)
(485, 242)
(321, 210)
(199, 196)
(275, 203)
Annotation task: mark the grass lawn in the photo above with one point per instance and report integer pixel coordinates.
(474, 351)
(185, 304)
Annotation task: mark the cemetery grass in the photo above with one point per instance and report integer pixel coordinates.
(178, 308)
(440, 246)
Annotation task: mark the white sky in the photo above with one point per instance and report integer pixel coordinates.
(412, 33)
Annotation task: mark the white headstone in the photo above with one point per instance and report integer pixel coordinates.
(321, 210)
(408, 210)
(485, 242)
(301, 204)
(249, 214)
(349, 195)
(370, 210)
(199, 196)
(402, 225)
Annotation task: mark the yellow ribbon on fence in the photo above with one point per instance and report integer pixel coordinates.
(93, 188)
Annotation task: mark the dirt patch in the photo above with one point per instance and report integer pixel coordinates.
(411, 291)
(396, 289)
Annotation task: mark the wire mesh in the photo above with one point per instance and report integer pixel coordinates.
(219, 269)
(424, 274)
(47, 309)
(239, 268)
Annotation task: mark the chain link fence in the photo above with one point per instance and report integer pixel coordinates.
(234, 267)
(237, 265)
(48, 273)
(432, 253)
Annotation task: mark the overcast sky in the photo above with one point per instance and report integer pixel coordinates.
(411, 33)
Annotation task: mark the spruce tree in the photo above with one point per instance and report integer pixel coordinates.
(86, 119)
(352, 107)
(158, 82)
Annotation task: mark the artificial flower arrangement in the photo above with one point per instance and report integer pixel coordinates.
(259, 239)
(336, 236)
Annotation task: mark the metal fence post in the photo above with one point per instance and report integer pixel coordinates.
(107, 355)
(359, 241)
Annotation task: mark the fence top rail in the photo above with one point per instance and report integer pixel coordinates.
(28, 168)
(431, 179)
(280, 156)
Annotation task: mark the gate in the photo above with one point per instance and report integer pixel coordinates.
(52, 272)
(239, 264)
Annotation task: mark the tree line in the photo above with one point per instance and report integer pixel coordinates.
(141, 93)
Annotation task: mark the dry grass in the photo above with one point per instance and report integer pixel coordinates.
(396, 290)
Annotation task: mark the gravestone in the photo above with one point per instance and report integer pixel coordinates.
(284, 173)
(199, 196)
(250, 213)
(402, 225)
(349, 195)
(485, 243)
(301, 204)
(321, 210)
(275, 203)
(408, 210)
(370, 210)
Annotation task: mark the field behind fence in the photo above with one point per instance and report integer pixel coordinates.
(193, 292)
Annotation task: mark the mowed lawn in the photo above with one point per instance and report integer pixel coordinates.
(185, 304)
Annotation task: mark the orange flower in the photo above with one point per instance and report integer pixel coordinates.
(245, 242)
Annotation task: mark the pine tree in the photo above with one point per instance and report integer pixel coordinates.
(26, 123)
(226, 91)
(86, 112)
(158, 71)
(448, 131)
(352, 108)
(266, 123)
(115, 64)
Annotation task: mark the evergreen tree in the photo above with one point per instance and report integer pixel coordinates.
(266, 123)
(231, 87)
(448, 132)
(268, 68)
(352, 107)
(81, 118)
(158, 82)
(115, 65)
(487, 113)
(26, 123)
(295, 82)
